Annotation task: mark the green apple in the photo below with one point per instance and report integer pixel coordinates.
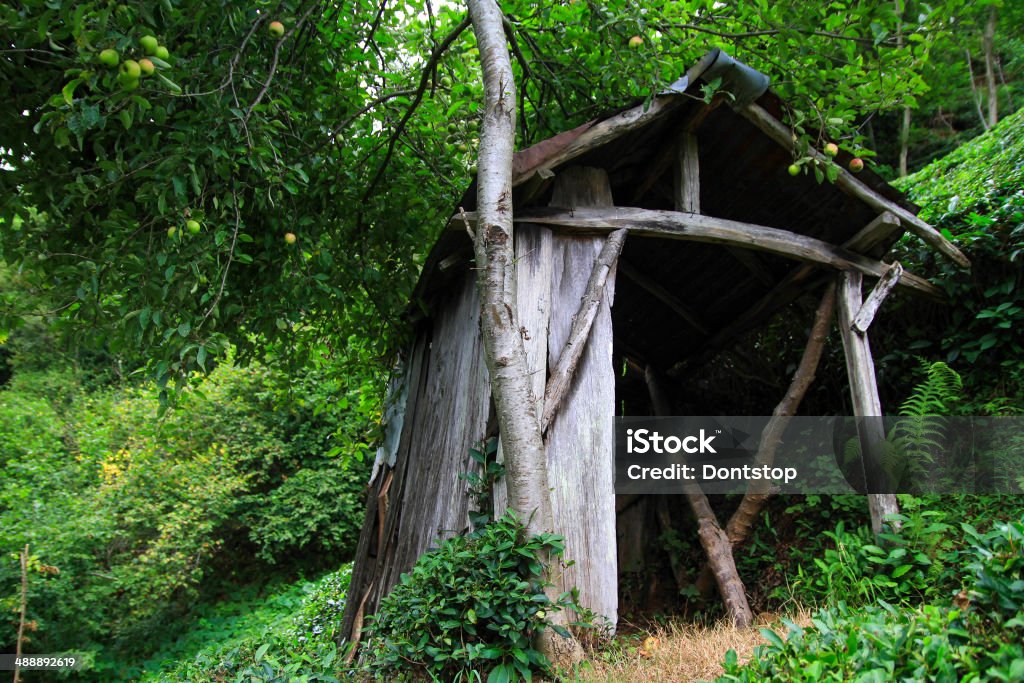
(146, 67)
(794, 170)
(162, 53)
(130, 69)
(831, 149)
(635, 42)
(172, 231)
(193, 226)
(109, 57)
(276, 29)
(289, 237)
(149, 44)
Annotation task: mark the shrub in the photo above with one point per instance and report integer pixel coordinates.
(145, 518)
(472, 606)
(979, 639)
(290, 640)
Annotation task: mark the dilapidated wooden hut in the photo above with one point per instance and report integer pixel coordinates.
(718, 238)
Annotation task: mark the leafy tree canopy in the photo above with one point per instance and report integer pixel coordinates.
(353, 131)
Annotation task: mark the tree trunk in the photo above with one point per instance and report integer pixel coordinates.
(904, 141)
(975, 95)
(988, 44)
(905, 122)
(514, 399)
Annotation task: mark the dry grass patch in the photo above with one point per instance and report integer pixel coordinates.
(683, 652)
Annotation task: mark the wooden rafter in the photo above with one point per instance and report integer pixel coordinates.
(603, 132)
(846, 182)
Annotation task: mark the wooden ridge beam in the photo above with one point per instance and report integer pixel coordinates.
(699, 228)
(846, 182)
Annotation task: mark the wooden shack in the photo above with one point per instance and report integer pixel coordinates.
(718, 238)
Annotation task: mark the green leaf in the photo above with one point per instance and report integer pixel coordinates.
(502, 673)
(773, 638)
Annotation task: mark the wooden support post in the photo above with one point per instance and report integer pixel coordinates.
(687, 194)
(864, 396)
(580, 439)
(758, 491)
(712, 537)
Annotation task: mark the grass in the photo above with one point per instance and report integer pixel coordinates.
(684, 652)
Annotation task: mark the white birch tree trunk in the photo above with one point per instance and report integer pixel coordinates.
(514, 399)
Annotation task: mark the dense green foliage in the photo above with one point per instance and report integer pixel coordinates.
(974, 195)
(352, 132)
(980, 638)
(294, 640)
(468, 608)
(142, 518)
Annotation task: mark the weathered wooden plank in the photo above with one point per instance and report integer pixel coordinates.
(371, 555)
(699, 228)
(687, 175)
(846, 182)
(864, 396)
(663, 295)
(867, 311)
(580, 439)
(450, 418)
(603, 132)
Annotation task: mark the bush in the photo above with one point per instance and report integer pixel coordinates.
(146, 518)
(979, 639)
(472, 606)
(292, 640)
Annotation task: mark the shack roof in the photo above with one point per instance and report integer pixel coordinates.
(743, 177)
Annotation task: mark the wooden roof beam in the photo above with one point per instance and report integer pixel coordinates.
(698, 228)
(603, 132)
(846, 182)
